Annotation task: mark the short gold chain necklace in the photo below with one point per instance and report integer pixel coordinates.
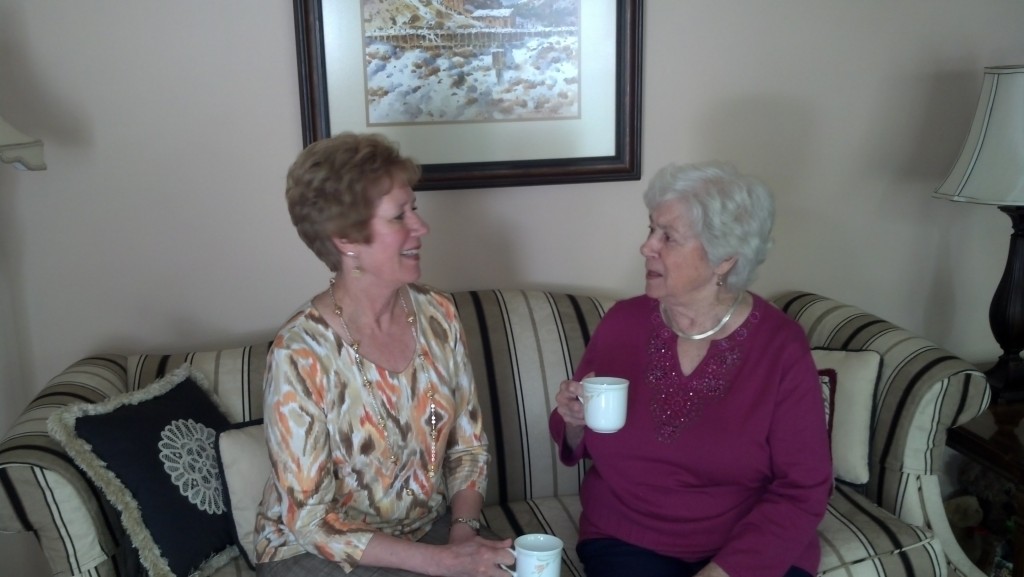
(378, 404)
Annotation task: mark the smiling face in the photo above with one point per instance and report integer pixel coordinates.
(392, 256)
(675, 260)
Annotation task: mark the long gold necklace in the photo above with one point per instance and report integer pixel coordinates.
(378, 404)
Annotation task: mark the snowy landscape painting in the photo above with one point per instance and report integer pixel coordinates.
(481, 93)
(458, 61)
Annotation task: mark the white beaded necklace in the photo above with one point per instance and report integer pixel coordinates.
(379, 404)
(705, 334)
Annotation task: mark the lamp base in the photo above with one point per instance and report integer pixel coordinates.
(1006, 317)
(1007, 380)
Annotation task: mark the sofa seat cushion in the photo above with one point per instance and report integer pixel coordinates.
(859, 538)
(237, 567)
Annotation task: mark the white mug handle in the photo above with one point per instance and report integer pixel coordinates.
(507, 570)
(588, 397)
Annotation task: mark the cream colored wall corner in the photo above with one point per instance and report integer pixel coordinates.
(160, 222)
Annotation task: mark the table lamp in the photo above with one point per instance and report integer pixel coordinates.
(990, 170)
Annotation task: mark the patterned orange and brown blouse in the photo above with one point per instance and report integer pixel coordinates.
(333, 483)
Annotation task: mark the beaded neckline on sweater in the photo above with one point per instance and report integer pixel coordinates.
(678, 400)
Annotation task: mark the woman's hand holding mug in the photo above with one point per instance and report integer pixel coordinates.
(596, 402)
(477, 557)
(537, 555)
(569, 403)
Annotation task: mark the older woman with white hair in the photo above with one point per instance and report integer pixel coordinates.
(723, 466)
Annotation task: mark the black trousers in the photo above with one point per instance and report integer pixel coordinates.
(614, 558)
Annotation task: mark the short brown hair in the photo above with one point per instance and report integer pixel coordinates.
(334, 185)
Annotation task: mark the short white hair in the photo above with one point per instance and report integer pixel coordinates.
(730, 212)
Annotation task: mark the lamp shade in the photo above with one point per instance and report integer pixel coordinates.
(22, 151)
(990, 169)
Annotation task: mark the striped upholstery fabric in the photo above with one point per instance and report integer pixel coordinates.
(522, 344)
(236, 375)
(43, 491)
(922, 392)
(860, 538)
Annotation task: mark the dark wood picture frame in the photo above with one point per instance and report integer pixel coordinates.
(624, 164)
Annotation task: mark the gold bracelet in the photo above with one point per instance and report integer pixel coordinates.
(473, 523)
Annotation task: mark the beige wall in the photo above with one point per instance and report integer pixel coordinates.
(169, 125)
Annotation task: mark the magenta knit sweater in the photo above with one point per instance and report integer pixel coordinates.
(730, 463)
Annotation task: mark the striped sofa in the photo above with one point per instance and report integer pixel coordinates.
(522, 344)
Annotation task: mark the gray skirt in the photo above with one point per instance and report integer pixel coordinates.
(311, 565)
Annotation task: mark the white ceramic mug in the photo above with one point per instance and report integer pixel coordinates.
(604, 403)
(537, 555)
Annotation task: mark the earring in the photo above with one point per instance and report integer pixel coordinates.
(355, 268)
(720, 281)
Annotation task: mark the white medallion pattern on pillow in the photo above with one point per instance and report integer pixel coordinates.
(189, 457)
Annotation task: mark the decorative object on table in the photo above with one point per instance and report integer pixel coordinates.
(965, 515)
(19, 150)
(990, 170)
(1002, 567)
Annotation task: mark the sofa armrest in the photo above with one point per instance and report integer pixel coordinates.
(923, 391)
(41, 489)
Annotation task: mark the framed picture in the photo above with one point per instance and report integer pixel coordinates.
(482, 93)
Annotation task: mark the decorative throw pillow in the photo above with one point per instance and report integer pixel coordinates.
(242, 451)
(848, 382)
(151, 452)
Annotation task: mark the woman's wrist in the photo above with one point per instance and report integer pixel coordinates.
(573, 437)
(461, 532)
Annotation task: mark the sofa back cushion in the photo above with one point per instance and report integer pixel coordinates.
(522, 345)
(234, 375)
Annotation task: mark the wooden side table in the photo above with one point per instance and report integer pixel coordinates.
(995, 440)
